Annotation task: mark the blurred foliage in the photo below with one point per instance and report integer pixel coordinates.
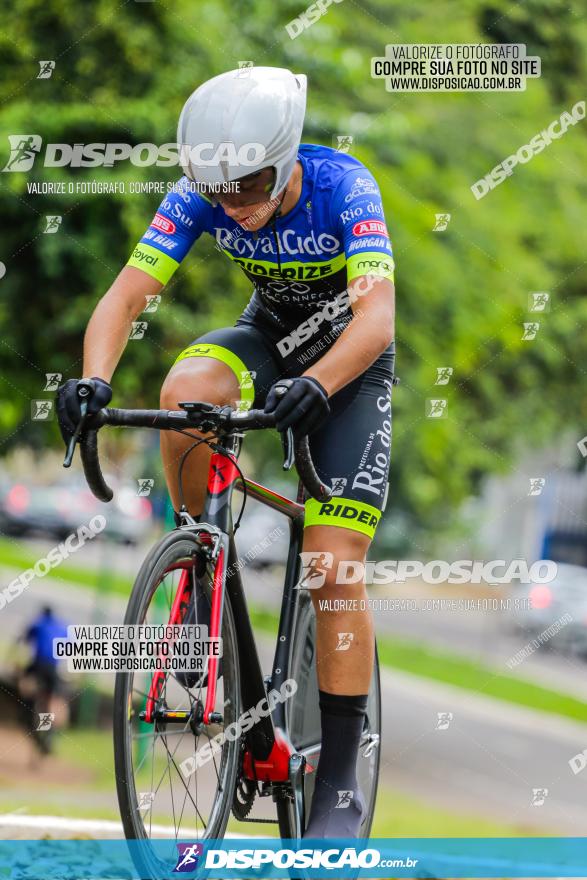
(122, 74)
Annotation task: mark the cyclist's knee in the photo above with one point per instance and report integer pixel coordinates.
(344, 580)
(199, 379)
(339, 556)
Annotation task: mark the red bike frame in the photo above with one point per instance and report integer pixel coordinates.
(268, 750)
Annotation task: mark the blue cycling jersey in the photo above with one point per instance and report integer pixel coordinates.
(40, 635)
(298, 262)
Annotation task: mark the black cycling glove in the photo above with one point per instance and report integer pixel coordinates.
(68, 404)
(303, 407)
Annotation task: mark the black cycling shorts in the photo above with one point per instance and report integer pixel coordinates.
(351, 451)
(46, 674)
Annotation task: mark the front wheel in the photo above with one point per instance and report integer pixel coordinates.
(163, 792)
(304, 728)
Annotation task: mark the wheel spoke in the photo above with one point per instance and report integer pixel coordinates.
(200, 803)
(171, 757)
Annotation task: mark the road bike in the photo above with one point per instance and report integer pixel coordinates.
(264, 745)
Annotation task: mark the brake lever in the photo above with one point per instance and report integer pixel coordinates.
(84, 388)
(287, 441)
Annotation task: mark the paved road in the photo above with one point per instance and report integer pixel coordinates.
(487, 762)
(485, 636)
(489, 759)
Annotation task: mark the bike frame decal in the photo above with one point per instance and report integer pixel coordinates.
(271, 499)
(215, 623)
(222, 474)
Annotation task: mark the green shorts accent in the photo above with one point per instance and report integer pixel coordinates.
(344, 513)
(219, 353)
(155, 263)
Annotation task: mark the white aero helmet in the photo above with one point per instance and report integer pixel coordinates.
(241, 122)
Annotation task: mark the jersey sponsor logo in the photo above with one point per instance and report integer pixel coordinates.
(163, 223)
(348, 511)
(368, 244)
(374, 208)
(372, 475)
(357, 211)
(371, 265)
(368, 227)
(174, 208)
(290, 243)
(297, 287)
(157, 238)
(301, 272)
(144, 257)
(361, 187)
(351, 214)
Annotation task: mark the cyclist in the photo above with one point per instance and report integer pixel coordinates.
(43, 667)
(306, 225)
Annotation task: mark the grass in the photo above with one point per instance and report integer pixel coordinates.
(395, 816)
(12, 556)
(477, 677)
(89, 749)
(399, 815)
(409, 656)
(431, 662)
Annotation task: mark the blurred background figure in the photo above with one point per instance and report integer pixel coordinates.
(39, 684)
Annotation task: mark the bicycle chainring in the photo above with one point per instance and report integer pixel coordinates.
(244, 797)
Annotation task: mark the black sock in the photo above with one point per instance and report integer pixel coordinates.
(338, 806)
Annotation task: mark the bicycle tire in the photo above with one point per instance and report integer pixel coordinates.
(303, 723)
(171, 550)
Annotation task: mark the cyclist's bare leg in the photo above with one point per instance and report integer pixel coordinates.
(347, 671)
(197, 378)
(344, 656)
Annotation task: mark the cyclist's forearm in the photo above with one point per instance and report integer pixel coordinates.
(110, 325)
(361, 342)
(106, 337)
